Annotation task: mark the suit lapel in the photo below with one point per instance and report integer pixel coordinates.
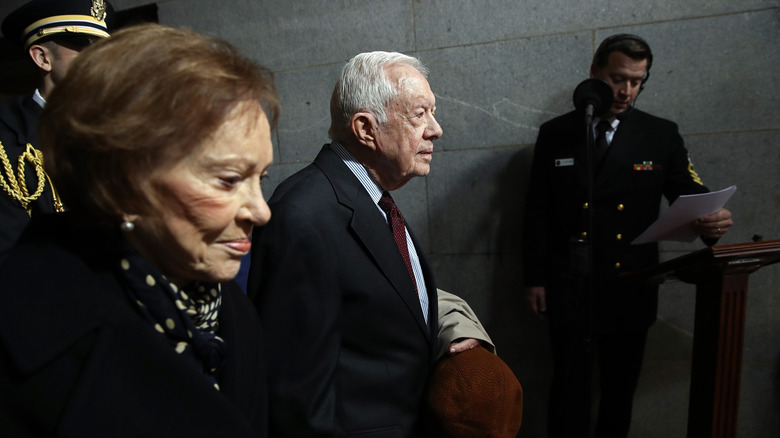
(371, 230)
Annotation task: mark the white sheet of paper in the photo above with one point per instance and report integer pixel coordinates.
(675, 222)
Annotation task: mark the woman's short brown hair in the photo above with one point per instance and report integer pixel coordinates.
(139, 102)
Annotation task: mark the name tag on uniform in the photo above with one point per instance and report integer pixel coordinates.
(563, 162)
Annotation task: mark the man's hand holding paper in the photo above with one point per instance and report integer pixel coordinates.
(691, 216)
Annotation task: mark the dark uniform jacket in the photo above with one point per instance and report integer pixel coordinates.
(351, 349)
(646, 161)
(19, 127)
(77, 359)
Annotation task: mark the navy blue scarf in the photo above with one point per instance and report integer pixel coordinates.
(188, 318)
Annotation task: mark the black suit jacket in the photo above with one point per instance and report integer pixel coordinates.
(18, 127)
(78, 360)
(646, 161)
(348, 348)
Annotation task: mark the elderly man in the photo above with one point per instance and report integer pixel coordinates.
(52, 32)
(346, 297)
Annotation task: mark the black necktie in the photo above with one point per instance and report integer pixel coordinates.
(601, 140)
(399, 232)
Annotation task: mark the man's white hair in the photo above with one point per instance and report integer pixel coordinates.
(364, 86)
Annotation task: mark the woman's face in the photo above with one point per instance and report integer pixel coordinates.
(207, 204)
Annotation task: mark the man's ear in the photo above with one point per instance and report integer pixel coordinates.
(364, 126)
(41, 56)
(594, 70)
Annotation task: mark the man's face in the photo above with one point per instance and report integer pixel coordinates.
(624, 75)
(62, 56)
(405, 143)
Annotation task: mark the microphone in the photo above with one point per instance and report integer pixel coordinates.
(594, 96)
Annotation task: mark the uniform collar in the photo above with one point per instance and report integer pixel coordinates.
(38, 98)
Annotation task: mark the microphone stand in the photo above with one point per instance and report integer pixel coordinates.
(593, 97)
(581, 350)
(591, 170)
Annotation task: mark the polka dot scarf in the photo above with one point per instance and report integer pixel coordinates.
(188, 318)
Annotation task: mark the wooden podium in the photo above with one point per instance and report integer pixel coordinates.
(720, 274)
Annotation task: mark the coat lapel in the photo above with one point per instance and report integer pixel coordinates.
(371, 230)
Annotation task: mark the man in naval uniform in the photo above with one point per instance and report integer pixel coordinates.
(592, 314)
(52, 33)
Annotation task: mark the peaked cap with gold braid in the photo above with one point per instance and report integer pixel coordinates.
(74, 20)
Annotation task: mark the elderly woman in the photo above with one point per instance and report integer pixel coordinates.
(120, 317)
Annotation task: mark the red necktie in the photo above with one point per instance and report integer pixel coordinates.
(399, 234)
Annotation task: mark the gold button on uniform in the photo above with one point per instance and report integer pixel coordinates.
(619, 237)
(617, 265)
(584, 234)
(621, 207)
(585, 206)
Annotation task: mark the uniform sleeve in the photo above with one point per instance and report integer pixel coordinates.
(682, 179)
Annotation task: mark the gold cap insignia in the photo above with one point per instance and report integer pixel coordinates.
(98, 10)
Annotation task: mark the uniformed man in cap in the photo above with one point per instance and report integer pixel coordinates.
(52, 33)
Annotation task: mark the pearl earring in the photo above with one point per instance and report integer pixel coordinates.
(127, 226)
